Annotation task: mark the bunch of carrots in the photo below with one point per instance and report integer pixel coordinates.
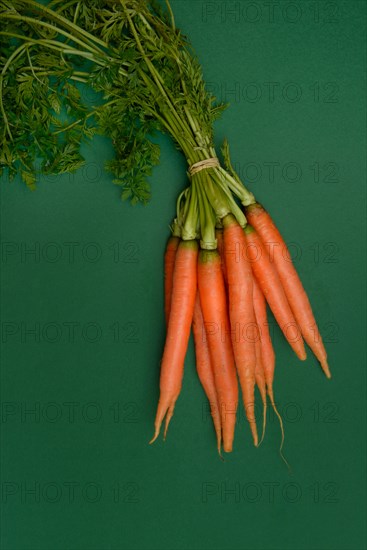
(219, 273)
(222, 294)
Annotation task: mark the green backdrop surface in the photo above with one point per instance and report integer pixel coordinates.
(83, 326)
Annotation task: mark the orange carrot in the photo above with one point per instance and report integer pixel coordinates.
(178, 332)
(271, 286)
(214, 308)
(267, 350)
(292, 285)
(241, 314)
(260, 381)
(204, 368)
(169, 264)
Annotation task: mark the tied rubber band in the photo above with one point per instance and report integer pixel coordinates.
(204, 165)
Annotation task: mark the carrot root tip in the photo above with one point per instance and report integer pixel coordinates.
(264, 421)
(219, 449)
(168, 420)
(325, 368)
(156, 434)
(254, 434)
(271, 396)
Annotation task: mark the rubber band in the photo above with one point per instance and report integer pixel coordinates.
(204, 165)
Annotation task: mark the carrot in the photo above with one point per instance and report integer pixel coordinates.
(293, 287)
(169, 264)
(260, 381)
(272, 288)
(178, 332)
(241, 314)
(267, 354)
(267, 350)
(204, 368)
(214, 308)
(220, 247)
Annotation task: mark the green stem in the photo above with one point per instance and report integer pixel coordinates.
(170, 121)
(156, 76)
(200, 143)
(64, 6)
(67, 23)
(41, 72)
(245, 196)
(76, 14)
(184, 134)
(54, 45)
(216, 196)
(79, 79)
(27, 19)
(179, 206)
(206, 216)
(176, 229)
(235, 209)
(171, 14)
(190, 225)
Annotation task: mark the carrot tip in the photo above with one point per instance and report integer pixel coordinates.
(325, 368)
(168, 420)
(153, 439)
(219, 447)
(156, 434)
(264, 420)
(254, 435)
(271, 396)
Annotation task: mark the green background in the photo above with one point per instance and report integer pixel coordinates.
(177, 494)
